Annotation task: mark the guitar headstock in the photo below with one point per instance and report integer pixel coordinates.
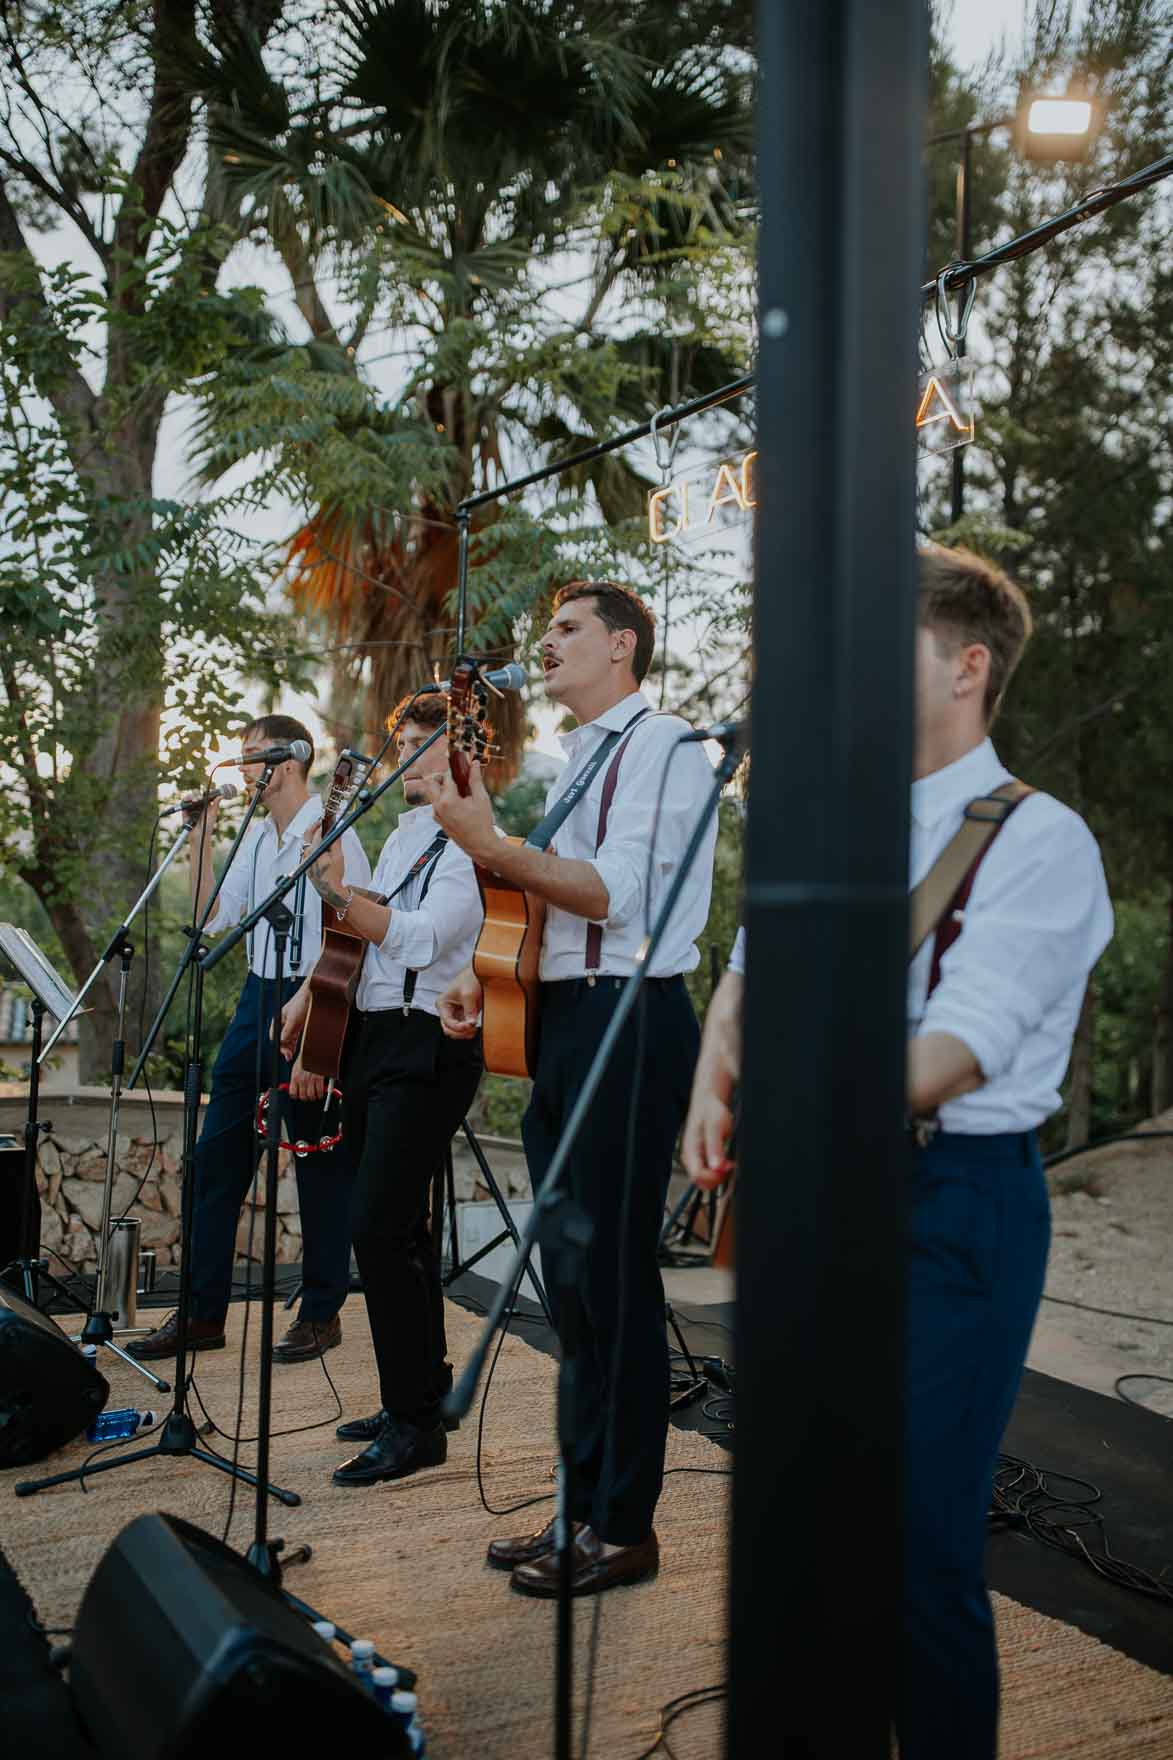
(469, 731)
(350, 772)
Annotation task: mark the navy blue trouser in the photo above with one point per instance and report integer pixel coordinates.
(620, 1421)
(226, 1158)
(980, 1229)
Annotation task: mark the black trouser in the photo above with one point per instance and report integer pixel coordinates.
(621, 1419)
(226, 1160)
(406, 1089)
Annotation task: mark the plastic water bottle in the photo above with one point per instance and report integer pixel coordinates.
(122, 1422)
(362, 1653)
(403, 1706)
(325, 1630)
(385, 1681)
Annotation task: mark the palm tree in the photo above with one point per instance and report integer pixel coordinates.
(527, 204)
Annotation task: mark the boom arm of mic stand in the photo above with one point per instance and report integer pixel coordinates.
(459, 1400)
(114, 944)
(197, 928)
(228, 942)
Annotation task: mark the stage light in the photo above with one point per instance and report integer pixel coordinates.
(1059, 116)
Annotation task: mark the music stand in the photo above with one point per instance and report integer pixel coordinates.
(50, 996)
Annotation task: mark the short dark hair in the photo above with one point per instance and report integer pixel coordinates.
(619, 608)
(428, 711)
(965, 598)
(282, 730)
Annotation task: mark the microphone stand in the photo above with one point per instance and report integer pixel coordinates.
(178, 1434)
(558, 1223)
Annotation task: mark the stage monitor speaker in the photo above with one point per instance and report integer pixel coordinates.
(49, 1392)
(181, 1650)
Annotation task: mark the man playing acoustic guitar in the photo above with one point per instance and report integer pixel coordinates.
(614, 857)
(1005, 934)
(406, 1088)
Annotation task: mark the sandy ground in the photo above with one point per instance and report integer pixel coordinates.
(1112, 1247)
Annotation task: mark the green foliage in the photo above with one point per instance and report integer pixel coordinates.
(1070, 480)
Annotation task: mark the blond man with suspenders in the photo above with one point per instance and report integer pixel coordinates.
(1010, 913)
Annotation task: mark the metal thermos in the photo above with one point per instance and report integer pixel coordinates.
(121, 1279)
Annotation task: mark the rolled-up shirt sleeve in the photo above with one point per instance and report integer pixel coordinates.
(634, 829)
(419, 937)
(1036, 923)
(737, 953)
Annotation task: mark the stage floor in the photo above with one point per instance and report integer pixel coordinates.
(657, 1639)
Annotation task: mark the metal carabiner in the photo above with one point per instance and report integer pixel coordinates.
(951, 336)
(663, 445)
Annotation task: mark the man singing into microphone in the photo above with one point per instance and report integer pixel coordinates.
(228, 1149)
(406, 1088)
(613, 859)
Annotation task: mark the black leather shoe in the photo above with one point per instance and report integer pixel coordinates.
(397, 1450)
(366, 1429)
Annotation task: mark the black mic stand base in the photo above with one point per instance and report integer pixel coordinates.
(178, 1436)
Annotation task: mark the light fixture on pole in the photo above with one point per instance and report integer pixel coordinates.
(1048, 129)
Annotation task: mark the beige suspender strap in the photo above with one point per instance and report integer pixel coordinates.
(984, 818)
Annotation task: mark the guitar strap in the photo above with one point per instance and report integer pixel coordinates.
(940, 897)
(542, 834)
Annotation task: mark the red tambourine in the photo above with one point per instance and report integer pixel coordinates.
(301, 1148)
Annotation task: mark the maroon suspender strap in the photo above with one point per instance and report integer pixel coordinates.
(950, 925)
(594, 939)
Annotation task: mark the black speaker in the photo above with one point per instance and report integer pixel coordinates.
(182, 1651)
(49, 1392)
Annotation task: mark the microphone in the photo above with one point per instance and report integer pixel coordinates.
(300, 749)
(227, 791)
(505, 678)
(733, 735)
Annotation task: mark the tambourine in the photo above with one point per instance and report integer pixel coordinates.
(301, 1148)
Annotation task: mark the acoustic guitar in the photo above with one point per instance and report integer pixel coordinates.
(509, 946)
(334, 979)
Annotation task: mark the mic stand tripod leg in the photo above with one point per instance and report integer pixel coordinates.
(178, 1434)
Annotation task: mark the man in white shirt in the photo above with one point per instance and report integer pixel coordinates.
(993, 1002)
(603, 879)
(228, 1149)
(406, 1088)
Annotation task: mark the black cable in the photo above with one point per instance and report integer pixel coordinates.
(677, 1708)
(1102, 1143)
(1112, 1313)
(509, 1317)
(142, 1027)
(1023, 1498)
(1140, 1375)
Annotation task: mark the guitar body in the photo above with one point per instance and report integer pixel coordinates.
(506, 960)
(334, 978)
(509, 945)
(332, 986)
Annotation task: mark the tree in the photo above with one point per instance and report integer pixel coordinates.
(117, 604)
(1070, 480)
(541, 209)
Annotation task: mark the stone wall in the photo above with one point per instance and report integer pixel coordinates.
(72, 1167)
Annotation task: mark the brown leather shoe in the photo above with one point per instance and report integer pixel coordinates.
(593, 1570)
(202, 1335)
(506, 1555)
(308, 1338)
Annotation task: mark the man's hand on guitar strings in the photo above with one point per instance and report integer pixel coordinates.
(460, 1005)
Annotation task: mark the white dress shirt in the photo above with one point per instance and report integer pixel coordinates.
(265, 857)
(434, 938)
(622, 859)
(1012, 984)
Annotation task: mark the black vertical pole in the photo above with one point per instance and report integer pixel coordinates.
(816, 1531)
(964, 248)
